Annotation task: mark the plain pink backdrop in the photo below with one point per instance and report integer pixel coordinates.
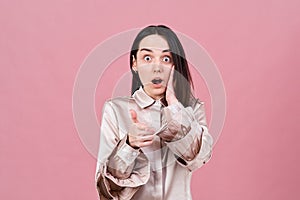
(255, 45)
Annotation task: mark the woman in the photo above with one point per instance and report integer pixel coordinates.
(151, 142)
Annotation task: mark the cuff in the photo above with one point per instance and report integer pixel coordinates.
(126, 152)
(206, 146)
(138, 176)
(122, 160)
(205, 151)
(111, 187)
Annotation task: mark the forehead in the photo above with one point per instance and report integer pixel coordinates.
(154, 42)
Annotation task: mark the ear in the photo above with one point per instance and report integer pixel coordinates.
(134, 63)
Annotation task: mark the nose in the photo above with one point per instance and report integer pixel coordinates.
(157, 66)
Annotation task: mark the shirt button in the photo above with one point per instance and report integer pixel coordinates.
(134, 153)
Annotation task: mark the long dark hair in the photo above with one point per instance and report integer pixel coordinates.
(182, 76)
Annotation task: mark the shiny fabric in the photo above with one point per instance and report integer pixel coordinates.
(161, 171)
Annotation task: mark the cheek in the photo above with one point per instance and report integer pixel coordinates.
(144, 74)
(143, 69)
(167, 71)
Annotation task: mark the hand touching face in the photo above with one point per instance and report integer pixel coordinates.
(170, 94)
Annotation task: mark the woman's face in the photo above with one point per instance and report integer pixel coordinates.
(153, 63)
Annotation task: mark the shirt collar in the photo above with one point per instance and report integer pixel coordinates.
(143, 99)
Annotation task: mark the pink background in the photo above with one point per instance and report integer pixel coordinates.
(255, 45)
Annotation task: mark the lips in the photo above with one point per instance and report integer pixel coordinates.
(156, 80)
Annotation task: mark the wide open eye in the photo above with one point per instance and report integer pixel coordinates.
(147, 58)
(166, 59)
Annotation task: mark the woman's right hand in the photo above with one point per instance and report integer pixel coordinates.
(140, 135)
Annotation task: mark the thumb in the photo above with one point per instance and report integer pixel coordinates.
(133, 116)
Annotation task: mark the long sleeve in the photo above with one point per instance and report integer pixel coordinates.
(193, 146)
(121, 170)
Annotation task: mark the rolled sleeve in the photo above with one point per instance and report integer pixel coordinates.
(182, 147)
(194, 148)
(121, 169)
(205, 153)
(122, 160)
(111, 187)
(127, 153)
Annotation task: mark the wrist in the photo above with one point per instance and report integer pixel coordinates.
(127, 142)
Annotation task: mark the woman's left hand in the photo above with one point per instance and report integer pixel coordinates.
(170, 94)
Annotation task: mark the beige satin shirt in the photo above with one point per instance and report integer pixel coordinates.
(161, 171)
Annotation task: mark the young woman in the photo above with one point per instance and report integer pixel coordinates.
(152, 141)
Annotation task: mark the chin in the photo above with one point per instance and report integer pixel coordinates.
(155, 93)
(158, 92)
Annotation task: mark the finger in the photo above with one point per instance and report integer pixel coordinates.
(143, 144)
(170, 81)
(144, 127)
(140, 126)
(170, 94)
(143, 132)
(137, 140)
(147, 138)
(166, 136)
(150, 130)
(133, 116)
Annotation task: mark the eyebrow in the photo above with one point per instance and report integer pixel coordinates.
(145, 49)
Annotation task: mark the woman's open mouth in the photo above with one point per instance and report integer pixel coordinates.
(156, 81)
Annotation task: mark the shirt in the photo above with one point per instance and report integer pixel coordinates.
(161, 171)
